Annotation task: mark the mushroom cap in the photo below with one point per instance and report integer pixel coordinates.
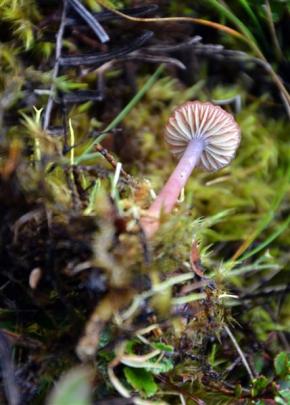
(207, 122)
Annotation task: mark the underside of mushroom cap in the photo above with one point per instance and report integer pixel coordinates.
(207, 122)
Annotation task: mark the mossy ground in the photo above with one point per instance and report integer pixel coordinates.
(79, 281)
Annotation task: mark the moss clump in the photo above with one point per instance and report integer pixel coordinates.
(198, 314)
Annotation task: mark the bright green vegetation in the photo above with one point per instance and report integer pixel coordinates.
(79, 284)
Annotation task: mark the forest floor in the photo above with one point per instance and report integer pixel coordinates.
(92, 310)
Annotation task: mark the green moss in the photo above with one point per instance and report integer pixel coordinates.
(105, 292)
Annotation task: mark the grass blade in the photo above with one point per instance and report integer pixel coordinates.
(116, 121)
(270, 239)
(224, 10)
(252, 15)
(108, 4)
(266, 220)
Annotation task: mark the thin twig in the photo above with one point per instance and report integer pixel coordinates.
(107, 15)
(239, 350)
(181, 46)
(104, 57)
(146, 57)
(272, 291)
(110, 159)
(276, 44)
(90, 20)
(58, 48)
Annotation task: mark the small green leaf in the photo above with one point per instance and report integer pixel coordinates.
(65, 85)
(284, 397)
(162, 366)
(141, 380)
(238, 391)
(46, 48)
(259, 385)
(280, 401)
(130, 346)
(73, 388)
(163, 347)
(281, 364)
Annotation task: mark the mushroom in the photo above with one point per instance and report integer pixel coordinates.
(201, 135)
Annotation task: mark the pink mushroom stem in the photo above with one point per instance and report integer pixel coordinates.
(169, 194)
